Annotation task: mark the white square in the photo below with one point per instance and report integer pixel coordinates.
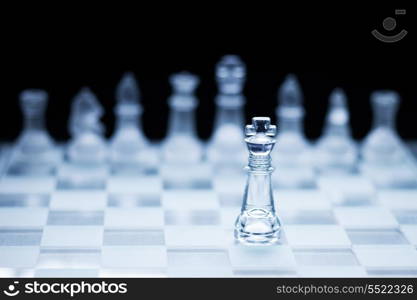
(18, 257)
(278, 256)
(218, 272)
(316, 236)
(332, 271)
(67, 273)
(399, 199)
(27, 185)
(365, 217)
(410, 232)
(23, 217)
(134, 217)
(299, 199)
(197, 236)
(190, 199)
(137, 185)
(386, 256)
(72, 236)
(134, 257)
(78, 200)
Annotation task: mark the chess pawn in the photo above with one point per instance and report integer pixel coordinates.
(88, 145)
(293, 148)
(35, 149)
(335, 150)
(225, 146)
(182, 144)
(382, 146)
(258, 222)
(129, 146)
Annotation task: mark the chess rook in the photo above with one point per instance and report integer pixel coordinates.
(225, 146)
(258, 222)
(182, 144)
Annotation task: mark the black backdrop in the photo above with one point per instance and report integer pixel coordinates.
(324, 48)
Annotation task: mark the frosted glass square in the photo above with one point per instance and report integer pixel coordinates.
(134, 256)
(376, 237)
(365, 217)
(24, 200)
(147, 237)
(386, 256)
(304, 217)
(76, 218)
(279, 256)
(69, 258)
(78, 200)
(72, 236)
(189, 200)
(316, 236)
(198, 258)
(20, 237)
(197, 236)
(133, 218)
(18, 257)
(325, 257)
(193, 217)
(23, 217)
(128, 201)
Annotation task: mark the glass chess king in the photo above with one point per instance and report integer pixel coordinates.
(258, 222)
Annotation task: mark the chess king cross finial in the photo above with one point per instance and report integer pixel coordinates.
(261, 125)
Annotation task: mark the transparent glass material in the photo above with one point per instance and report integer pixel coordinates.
(34, 149)
(88, 145)
(226, 146)
(129, 146)
(182, 144)
(258, 222)
(293, 148)
(335, 150)
(382, 146)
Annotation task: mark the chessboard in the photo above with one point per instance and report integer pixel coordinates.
(146, 226)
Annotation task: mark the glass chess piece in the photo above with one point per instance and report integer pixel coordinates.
(225, 147)
(34, 152)
(129, 148)
(384, 156)
(88, 145)
(182, 144)
(258, 222)
(336, 151)
(293, 154)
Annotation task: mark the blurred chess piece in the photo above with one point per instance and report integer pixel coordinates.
(385, 157)
(226, 147)
(129, 148)
(88, 145)
(336, 151)
(293, 152)
(182, 145)
(34, 151)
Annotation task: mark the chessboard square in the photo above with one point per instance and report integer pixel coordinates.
(66, 273)
(325, 257)
(18, 257)
(386, 256)
(134, 218)
(132, 272)
(392, 272)
(316, 236)
(305, 217)
(134, 256)
(76, 218)
(134, 185)
(30, 185)
(230, 183)
(404, 199)
(192, 217)
(62, 258)
(365, 217)
(198, 258)
(263, 272)
(24, 200)
(16, 272)
(20, 237)
(78, 200)
(23, 217)
(199, 272)
(406, 217)
(230, 199)
(190, 199)
(228, 217)
(87, 184)
(134, 200)
(277, 256)
(332, 271)
(204, 236)
(376, 236)
(301, 199)
(410, 232)
(132, 237)
(72, 236)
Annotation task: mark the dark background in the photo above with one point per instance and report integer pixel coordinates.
(325, 47)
